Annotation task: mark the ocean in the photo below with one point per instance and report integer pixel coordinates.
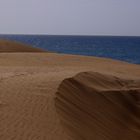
(116, 47)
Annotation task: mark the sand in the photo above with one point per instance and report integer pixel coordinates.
(14, 46)
(100, 106)
(29, 87)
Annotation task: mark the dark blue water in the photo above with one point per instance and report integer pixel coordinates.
(121, 48)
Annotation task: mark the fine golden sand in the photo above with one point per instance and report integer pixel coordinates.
(36, 105)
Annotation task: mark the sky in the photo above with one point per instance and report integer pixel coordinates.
(70, 17)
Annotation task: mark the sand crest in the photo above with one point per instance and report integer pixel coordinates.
(99, 106)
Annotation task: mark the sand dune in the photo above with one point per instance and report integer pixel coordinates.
(13, 46)
(28, 83)
(100, 106)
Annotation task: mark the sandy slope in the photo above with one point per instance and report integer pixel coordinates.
(100, 106)
(28, 83)
(13, 46)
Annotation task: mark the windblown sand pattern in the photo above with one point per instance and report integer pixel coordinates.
(95, 106)
(29, 81)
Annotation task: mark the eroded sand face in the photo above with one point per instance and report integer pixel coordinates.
(99, 106)
(28, 83)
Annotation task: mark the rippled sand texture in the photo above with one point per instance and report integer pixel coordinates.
(96, 106)
(28, 83)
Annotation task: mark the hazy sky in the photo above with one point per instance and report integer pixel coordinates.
(84, 17)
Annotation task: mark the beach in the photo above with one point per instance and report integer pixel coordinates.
(29, 86)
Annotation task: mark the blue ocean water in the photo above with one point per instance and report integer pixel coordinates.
(116, 47)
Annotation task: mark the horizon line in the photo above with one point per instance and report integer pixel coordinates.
(69, 35)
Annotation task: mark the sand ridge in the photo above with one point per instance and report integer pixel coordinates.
(98, 106)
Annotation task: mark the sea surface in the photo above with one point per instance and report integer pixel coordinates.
(116, 47)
